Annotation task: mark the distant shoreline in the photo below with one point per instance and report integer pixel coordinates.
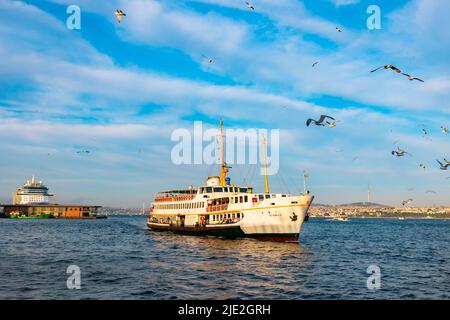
(385, 217)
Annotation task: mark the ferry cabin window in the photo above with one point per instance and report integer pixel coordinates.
(241, 198)
(267, 196)
(245, 198)
(261, 197)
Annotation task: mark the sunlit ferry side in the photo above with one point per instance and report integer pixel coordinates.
(220, 208)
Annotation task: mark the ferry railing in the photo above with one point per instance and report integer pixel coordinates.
(174, 198)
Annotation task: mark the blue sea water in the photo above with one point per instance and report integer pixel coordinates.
(120, 259)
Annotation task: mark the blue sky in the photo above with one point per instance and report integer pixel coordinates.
(120, 90)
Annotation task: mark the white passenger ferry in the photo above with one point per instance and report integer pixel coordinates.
(220, 208)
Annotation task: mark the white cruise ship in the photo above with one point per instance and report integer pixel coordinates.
(220, 208)
(32, 192)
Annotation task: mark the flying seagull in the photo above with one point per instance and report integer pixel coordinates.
(431, 191)
(444, 166)
(318, 122)
(315, 64)
(444, 129)
(119, 13)
(208, 59)
(399, 152)
(407, 201)
(411, 78)
(83, 151)
(388, 67)
(338, 29)
(249, 5)
(423, 166)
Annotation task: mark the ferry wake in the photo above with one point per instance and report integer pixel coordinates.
(220, 208)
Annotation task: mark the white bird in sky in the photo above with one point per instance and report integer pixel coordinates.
(444, 166)
(411, 78)
(250, 6)
(318, 122)
(208, 59)
(399, 152)
(395, 69)
(407, 201)
(444, 129)
(119, 13)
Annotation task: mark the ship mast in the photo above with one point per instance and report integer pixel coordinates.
(266, 179)
(223, 166)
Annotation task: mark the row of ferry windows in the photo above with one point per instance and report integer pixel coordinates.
(225, 189)
(220, 217)
(190, 205)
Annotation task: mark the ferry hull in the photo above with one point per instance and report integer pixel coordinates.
(230, 232)
(226, 232)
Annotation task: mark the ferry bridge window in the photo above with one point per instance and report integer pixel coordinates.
(217, 189)
(261, 197)
(267, 196)
(209, 190)
(242, 190)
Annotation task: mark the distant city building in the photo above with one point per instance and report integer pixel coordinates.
(32, 192)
